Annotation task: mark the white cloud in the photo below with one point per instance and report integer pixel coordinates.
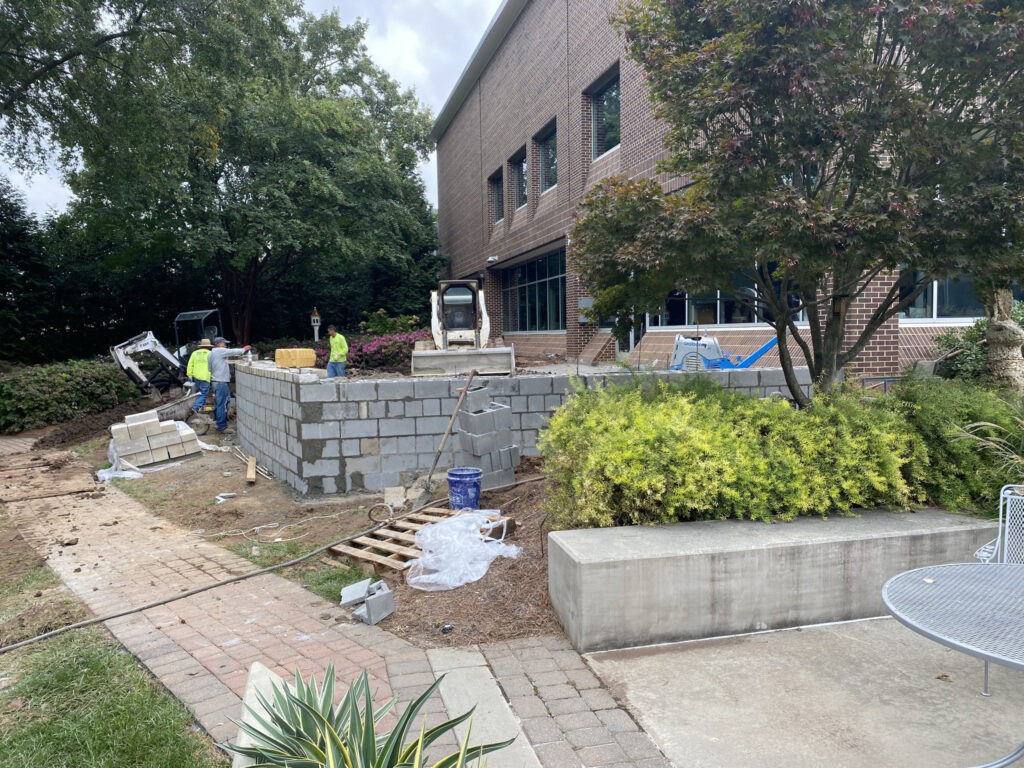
(423, 44)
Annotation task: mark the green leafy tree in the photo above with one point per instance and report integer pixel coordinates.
(827, 145)
(22, 274)
(271, 153)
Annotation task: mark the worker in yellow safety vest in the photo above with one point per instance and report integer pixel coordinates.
(339, 353)
(199, 372)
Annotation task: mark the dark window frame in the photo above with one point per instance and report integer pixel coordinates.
(519, 164)
(496, 186)
(547, 157)
(533, 295)
(607, 90)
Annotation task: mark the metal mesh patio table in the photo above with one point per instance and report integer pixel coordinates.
(976, 608)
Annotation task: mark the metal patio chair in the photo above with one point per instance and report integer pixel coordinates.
(1008, 545)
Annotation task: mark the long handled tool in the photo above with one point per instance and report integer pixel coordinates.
(425, 496)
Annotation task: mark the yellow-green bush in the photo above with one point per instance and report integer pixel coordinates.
(660, 453)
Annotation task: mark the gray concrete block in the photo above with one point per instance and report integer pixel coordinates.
(535, 402)
(429, 388)
(332, 449)
(430, 425)
(772, 377)
(503, 385)
(376, 607)
(394, 427)
(534, 421)
(322, 431)
(407, 444)
(359, 428)
(431, 407)
(320, 468)
(414, 408)
(497, 479)
(361, 390)
(803, 375)
(502, 416)
(323, 392)
(721, 378)
(375, 409)
(553, 402)
(477, 423)
(744, 377)
(388, 446)
(519, 403)
(477, 399)
(350, 448)
(535, 385)
(364, 464)
(466, 459)
(398, 462)
(354, 594)
(395, 390)
(395, 409)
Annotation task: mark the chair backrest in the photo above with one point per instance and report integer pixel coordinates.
(1011, 525)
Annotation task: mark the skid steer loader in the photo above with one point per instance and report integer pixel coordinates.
(460, 331)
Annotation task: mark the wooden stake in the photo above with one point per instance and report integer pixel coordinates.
(250, 470)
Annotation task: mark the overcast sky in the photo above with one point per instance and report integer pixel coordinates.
(424, 44)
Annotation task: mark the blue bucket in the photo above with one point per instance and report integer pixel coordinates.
(464, 487)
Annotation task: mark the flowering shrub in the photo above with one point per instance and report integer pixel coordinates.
(384, 350)
(51, 394)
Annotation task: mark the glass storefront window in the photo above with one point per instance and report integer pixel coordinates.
(533, 295)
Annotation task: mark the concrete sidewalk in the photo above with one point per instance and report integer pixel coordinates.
(857, 695)
(114, 554)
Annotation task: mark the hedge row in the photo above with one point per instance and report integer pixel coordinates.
(657, 453)
(52, 394)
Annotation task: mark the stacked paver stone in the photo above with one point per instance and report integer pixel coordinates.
(144, 439)
(485, 439)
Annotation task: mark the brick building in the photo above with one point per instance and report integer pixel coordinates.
(547, 106)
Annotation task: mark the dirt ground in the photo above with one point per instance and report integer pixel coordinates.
(87, 428)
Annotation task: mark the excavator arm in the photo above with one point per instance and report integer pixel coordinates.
(169, 370)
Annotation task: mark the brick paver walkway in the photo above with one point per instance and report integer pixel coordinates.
(113, 554)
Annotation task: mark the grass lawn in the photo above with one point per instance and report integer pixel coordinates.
(79, 700)
(319, 578)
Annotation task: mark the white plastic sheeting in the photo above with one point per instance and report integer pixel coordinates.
(456, 551)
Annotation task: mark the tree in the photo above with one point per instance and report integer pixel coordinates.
(22, 274)
(273, 151)
(824, 142)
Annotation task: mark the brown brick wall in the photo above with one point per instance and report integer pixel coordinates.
(541, 72)
(536, 346)
(881, 356)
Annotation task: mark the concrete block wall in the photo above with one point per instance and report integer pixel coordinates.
(335, 435)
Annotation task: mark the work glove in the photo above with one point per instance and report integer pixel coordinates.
(246, 348)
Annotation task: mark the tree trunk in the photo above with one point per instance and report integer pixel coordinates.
(1004, 363)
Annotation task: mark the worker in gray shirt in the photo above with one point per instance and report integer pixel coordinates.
(220, 378)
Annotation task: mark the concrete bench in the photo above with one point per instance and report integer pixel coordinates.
(631, 586)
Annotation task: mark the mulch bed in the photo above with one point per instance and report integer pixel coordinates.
(510, 601)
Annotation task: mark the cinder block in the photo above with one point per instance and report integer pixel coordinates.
(509, 457)
(772, 377)
(120, 433)
(132, 446)
(140, 459)
(394, 427)
(294, 358)
(477, 399)
(168, 426)
(361, 390)
(187, 433)
(355, 593)
(395, 390)
(502, 416)
(497, 479)
(477, 423)
(534, 385)
(431, 407)
(376, 607)
(534, 420)
(424, 388)
(431, 425)
(141, 418)
(414, 408)
(160, 454)
(175, 451)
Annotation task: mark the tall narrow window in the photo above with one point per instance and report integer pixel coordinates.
(605, 117)
(497, 182)
(548, 147)
(519, 177)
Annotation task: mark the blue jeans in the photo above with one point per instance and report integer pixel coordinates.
(204, 390)
(222, 391)
(335, 369)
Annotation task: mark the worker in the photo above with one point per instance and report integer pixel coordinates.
(199, 372)
(339, 353)
(220, 376)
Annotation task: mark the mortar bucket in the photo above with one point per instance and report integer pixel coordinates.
(464, 487)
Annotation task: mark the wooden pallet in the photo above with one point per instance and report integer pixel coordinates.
(393, 546)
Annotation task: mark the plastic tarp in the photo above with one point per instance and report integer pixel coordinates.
(457, 551)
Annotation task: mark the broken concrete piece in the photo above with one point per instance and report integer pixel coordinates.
(355, 593)
(261, 681)
(377, 606)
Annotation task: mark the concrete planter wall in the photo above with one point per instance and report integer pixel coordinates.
(631, 586)
(335, 435)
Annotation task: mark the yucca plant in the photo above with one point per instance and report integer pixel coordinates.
(305, 729)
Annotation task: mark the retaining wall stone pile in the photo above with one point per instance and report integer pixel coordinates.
(144, 439)
(335, 435)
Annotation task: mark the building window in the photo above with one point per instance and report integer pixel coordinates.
(497, 184)
(605, 117)
(520, 176)
(940, 299)
(734, 307)
(548, 149)
(533, 295)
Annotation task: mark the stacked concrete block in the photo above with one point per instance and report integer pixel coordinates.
(485, 439)
(144, 439)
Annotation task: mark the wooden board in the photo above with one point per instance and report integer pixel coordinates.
(250, 470)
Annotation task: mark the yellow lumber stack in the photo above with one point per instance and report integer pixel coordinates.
(294, 358)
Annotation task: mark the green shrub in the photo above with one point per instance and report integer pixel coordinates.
(51, 394)
(956, 475)
(657, 453)
(380, 322)
(970, 340)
